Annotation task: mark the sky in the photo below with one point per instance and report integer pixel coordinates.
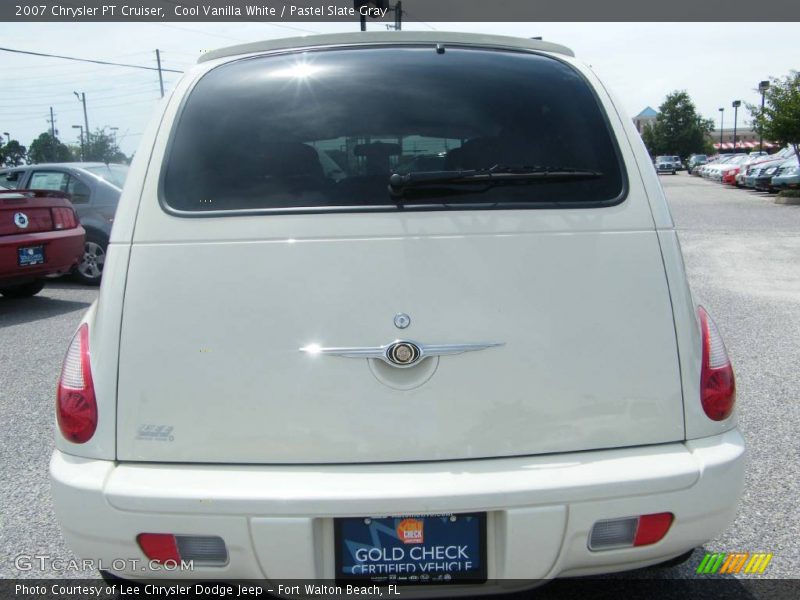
(641, 63)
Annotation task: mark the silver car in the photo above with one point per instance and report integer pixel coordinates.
(94, 188)
(666, 164)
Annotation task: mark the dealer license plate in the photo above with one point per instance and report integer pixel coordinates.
(30, 255)
(409, 550)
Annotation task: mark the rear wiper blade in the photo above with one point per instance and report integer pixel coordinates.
(484, 179)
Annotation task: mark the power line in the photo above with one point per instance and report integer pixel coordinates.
(144, 103)
(410, 16)
(87, 60)
(97, 94)
(200, 31)
(82, 74)
(34, 90)
(120, 82)
(60, 65)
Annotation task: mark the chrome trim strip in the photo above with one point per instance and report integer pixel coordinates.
(383, 352)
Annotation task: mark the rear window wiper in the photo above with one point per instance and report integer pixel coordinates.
(480, 180)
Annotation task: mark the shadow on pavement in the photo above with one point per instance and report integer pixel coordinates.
(15, 311)
(65, 283)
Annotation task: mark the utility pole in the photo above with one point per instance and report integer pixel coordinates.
(52, 134)
(82, 98)
(160, 77)
(83, 151)
(721, 125)
(763, 86)
(398, 16)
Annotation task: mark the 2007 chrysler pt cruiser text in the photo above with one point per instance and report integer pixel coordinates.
(426, 318)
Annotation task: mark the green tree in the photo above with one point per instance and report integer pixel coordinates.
(780, 121)
(102, 147)
(47, 148)
(12, 154)
(678, 129)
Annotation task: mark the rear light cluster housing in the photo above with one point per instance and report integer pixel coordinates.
(717, 381)
(76, 405)
(168, 548)
(64, 218)
(629, 532)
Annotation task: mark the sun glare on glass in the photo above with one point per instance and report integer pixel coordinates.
(301, 70)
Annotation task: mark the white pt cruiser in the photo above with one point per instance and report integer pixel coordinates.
(398, 308)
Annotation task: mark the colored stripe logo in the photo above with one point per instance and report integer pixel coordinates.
(733, 562)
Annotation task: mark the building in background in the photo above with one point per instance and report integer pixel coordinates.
(645, 118)
(746, 139)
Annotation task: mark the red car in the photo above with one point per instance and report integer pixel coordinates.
(731, 169)
(39, 236)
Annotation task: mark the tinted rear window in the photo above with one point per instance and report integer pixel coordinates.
(327, 129)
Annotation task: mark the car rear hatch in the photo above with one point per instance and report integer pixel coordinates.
(234, 312)
(34, 211)
(26, 212)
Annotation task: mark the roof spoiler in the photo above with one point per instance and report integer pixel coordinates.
(388, 38)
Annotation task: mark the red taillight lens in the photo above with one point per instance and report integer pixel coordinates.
(652, 528)
(717, 383)
(76, 405)
(161, 547)
(64, 218)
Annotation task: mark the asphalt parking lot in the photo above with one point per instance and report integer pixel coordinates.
(741, 252)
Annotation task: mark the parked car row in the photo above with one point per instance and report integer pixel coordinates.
(757, 170)
(92, 188)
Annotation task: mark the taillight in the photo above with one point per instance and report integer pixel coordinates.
(160, 547)
(652, 528)
(64, 218)
(76, 406)
(717, 382)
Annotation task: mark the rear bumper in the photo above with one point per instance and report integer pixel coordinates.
(62, 251)
(277, 521)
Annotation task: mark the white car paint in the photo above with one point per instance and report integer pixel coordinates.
(589, 410)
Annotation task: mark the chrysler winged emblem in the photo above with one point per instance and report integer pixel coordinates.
(400, 353)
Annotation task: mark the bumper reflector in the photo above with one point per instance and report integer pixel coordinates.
(629, 531)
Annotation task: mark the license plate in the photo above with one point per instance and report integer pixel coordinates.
(412, 550)
(31, 255)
